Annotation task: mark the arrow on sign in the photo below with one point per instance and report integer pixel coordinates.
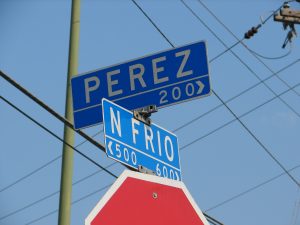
(109, 147)
(200, 85)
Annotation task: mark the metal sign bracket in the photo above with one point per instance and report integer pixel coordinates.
(143, 114)
(145, 170)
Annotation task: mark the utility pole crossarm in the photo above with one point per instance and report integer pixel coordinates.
(288, 15)
(288, 19)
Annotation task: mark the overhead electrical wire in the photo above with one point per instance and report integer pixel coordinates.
(40, 168)
(248, 130)
(181, 149)
(213, 59)
(271, 57)
(234, 97)
(236, 118)
(259, 142)
(98, 132)
(52, 194)
(174, 130)
(56, 136)
(222, 104)
(211, 219)
(226, 50)
(184, 125)
(173, 46)
(239, 195)
(30, 174)
(221, 100)
(255, 54)
(73, 202)
(50, 110)
(249, 190)
(235, 55)
(169, 43)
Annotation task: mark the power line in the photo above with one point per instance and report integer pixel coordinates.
(255, 54)
(235, 55)
(249, 190)
(158, 29)
(221, 100)
(74, 202)
(53, 194)
(226, 50)
(258, 141)
(99, 132)
(151, 21)
(42, 167)
(30, 174)
(233, 120)
(38, 169)
(247, 129)
(205, 211)
(175, 130)
(181, 149)
(211, 219)
(50, 110)
(236, 96)
(270, 57)
(94, 135)
(61, 118)
(56, 136)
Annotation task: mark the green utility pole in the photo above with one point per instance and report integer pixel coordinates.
(67, 158)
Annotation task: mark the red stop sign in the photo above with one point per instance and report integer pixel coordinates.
(141, 199)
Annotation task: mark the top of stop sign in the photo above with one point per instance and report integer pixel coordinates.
(142, 199)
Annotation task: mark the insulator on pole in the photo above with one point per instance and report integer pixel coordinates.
(250, 32)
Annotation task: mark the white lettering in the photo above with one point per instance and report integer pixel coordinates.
(138, 76)
(134, 130)
(89, 88)
(119, 154)
(159, 144)
(111, 82)
(115, 122)
(157, 70)
(186, 55)
(149, 137)
(170, 155)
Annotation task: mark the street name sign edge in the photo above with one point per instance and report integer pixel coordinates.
(181, 100)
(141, 57)
(114, 158)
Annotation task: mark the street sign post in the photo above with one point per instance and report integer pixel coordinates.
(137, 199)
(162, 79)
(134, 143)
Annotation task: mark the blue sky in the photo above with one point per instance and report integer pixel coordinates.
(219, 158)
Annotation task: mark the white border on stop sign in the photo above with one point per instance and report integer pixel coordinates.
(145, 177)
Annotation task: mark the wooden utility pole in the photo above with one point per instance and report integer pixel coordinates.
(67, 158)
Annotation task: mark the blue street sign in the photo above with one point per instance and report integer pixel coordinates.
(134, 143)
(162, 79)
